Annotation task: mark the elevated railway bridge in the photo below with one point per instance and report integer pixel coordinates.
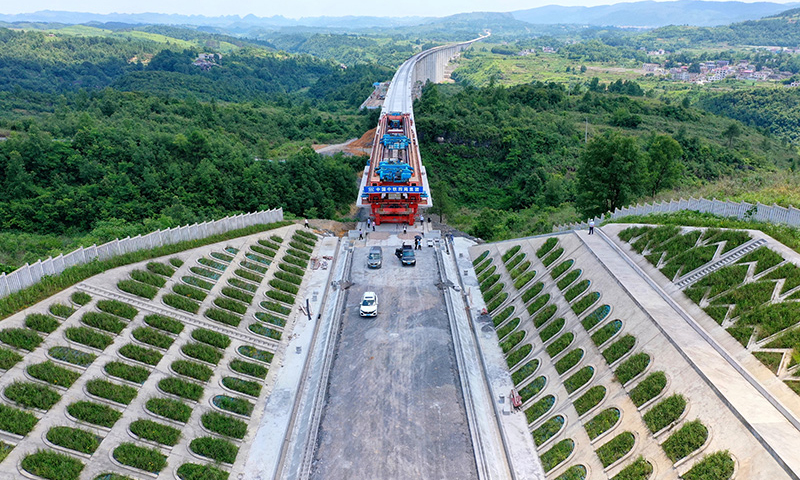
(395, 185)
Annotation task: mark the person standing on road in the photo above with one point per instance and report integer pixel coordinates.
(591, 227)
(306, 220)
(360, 234)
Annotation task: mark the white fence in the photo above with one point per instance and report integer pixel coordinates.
(28, 275)
(741, 210)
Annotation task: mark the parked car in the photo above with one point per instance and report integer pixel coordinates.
(406, 255)
(369, 305)
(375, 257)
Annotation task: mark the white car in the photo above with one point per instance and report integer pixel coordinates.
(369, 305)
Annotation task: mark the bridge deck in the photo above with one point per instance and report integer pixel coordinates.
(394, 406)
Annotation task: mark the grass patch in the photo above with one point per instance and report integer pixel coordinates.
(141, 354)
(8, 358)
(510, 253)
(546, 247)
(502, 316)
(747, 297)
(579, 379)
(495, 302)
(602, 335)
(648, 388)
(234, 405)
(289, 277)
(74, 439)
(111, 391)
(212, 264)
(764, 258)
(216, 449)
(224, 425)
(32, 395)
(137, 288)
(202, 352)
(547, 430)
(80, 298)
(166, 324)
(189, 292)
(517, 355)
(53, 374)
(771, 360)
(16, 421)
(253, 352)
(233, 305)
(222, 256)
(640, 469)
(65, 354)
(41, 322)
(552, 329)
(773, 318)
(532, 291)
(560, 344)
(741, 333)
(569, 360)
(149, 278)
(260, 329)
(585, 302)
(204, 272)
(52, 466)
(568, 279)
(532, 389)
(573, 292)
(147, 459)
(246, 297)
(595, 317)
(254, 266)
(272, 319)
(242, 386)
(223, 316)
(552, 257)
(157, 432)
(688, 261)
(561, 268)
(790, 272)
(590, 399)
(131, 373)
(94, 413)
(575, 472)
(525, 371)
(508, 328)
(120, 309)
(22, 338)
(632, 367)
(523, 279)
(539, 408)
(545, 315)
(160, 268)
(194, 370)
(557, 454)
(691, 436)
(249, 368)
(169, 408)
(245, 285)
(723, 279)
(248, 275)
(181, 303)
(664, 413)
(176, 262)
(181, 388)
(61, 310)
(90, 338)
(104, 321)
(210, 337)
(602, 422)
(197, 282)
(615, 448)
(716, 466)
(153, 337)
(718, 313)
(619, 348)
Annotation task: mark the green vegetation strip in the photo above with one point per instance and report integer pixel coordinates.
(147, 459)
(224, 424)
(74, 439)
(616, 448)
(50, 285)
(52, 465)
(94, 413)
(157, 432)
(32, 395)
(53, 374)
(169, 408)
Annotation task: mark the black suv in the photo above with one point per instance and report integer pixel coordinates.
(406, 255)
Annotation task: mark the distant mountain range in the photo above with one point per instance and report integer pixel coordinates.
(654, 14)
(641, 14)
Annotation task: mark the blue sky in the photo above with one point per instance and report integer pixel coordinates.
(289, 8)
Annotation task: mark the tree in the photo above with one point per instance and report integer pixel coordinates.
(610, 173)
(663, 168)
(442, 203)
(733, 131)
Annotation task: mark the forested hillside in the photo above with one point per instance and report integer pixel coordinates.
(776, 110)
(510, 156)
